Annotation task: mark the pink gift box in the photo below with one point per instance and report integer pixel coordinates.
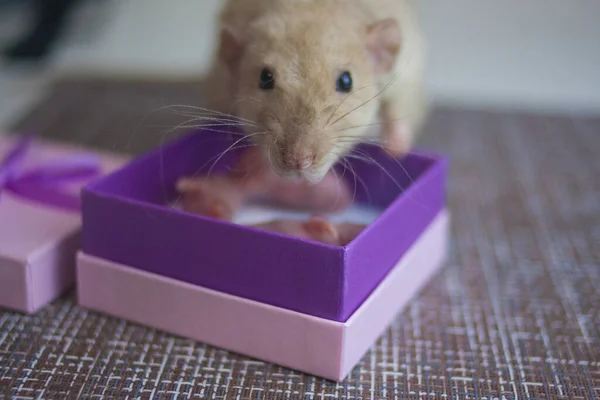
(39, 218)
(318, 346)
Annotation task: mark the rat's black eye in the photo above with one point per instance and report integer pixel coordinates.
(344, 82)
(267, 79)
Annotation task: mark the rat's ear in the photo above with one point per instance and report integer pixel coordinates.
(384, 39)
(231, 48)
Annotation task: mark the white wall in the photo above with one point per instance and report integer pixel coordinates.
(541, 53)
(513, 53)
(149, 36)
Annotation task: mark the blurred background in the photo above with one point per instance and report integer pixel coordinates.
(539, 55)
(517, 89)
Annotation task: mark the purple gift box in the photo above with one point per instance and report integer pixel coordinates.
(128, 219)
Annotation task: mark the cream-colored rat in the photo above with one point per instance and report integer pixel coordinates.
(314, 76)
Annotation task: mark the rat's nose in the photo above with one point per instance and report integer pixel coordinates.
(305, 163)
(296, 159)
(299, 163)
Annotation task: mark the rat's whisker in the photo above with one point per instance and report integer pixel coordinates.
(340, 155)
(206, 126)
(278, 137)
(349, 145)
(397, 161)
(386, 87)
(185, 125)
(226, 123)
(206, 113)
(342, 102)
(169, 131)
(213, 112)
(269, 156)
(339, 194)
(356, 139)
(375, 162)
(175, 108)
(372, 160)
(360, 158)
(224, 120)
(213, 158)
(348, 167)
(231, 147)
(357, 178)
(402, 188)
(244, 98)
(226, 132)
(212, 125)
(162, 142)
(215, 119)
(341, 159)
(372, 124)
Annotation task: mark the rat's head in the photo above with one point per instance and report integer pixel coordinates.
(310, 81)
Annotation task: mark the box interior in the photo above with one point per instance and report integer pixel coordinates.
(375, 178)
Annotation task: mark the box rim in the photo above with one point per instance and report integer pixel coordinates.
(439, 163)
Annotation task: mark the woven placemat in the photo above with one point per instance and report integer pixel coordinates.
(514, 315)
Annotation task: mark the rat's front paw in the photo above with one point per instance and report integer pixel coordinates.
(397, 138)
(322, 230)
(214, 198)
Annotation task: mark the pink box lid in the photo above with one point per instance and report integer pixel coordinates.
(38, 241)
(314, 345)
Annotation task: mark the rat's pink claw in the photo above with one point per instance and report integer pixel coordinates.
(321, 229)
(216, 198)
(218, 210)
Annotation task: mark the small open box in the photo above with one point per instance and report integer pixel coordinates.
(127, 219)
(298, 303)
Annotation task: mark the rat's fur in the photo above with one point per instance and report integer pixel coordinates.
(308, 43)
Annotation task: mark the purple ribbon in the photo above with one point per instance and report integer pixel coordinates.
(46, 183)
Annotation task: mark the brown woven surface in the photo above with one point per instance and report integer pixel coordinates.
(515, 314)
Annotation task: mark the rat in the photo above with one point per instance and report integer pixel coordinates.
(314, 78)
(221, 196)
